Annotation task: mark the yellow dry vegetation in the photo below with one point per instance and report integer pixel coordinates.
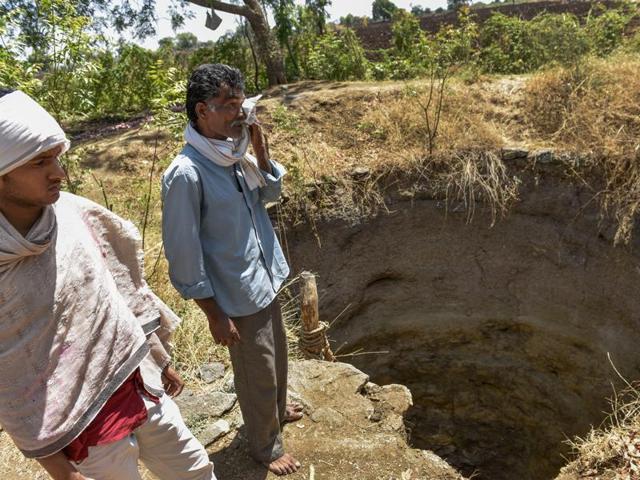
(612, 451)
(594, 109)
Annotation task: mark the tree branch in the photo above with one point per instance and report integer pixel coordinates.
(223, 7)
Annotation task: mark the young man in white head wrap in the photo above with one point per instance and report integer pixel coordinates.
(223, 251)
(83, 363)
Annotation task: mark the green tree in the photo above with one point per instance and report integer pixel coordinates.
(186, 41)
(407, 33)
(318, 9)
(560, 38)
(419, 11)
(456, 4)
(122, 15)
(606, 31)
(140, 19)
(351, 21)
(284, 14)
(383, 10)
(507, 45)
(266, 42)
(166, 43)
(335, 56)
(14, 71)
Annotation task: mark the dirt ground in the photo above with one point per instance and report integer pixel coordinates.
(351, 429)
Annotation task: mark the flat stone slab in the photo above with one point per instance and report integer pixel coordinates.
(213, 431)
(210, 372)
(200, 407)
(514, 153)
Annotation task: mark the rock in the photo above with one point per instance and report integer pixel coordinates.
(328, 416)
(201, 406)
(541, 156)
(376, 416)
(514, 153)
(229, 386)
(360, 173)
(355, 430)
(372, 390)
(296, 398)
(212, 432)
(398, 397)
(446, 450)
(221, 403)
(329, 179)
(210, 372)
(341, 376)
(394, 423)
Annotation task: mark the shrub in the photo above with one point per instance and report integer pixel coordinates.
(560, 39)
(606, 31)
(336, 56)
(507, 45)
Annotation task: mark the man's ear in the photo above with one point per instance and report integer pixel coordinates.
(201, 109)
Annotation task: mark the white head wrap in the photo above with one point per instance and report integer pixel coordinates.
(26, 130)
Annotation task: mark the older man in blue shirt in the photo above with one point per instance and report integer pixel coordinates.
(224, 254)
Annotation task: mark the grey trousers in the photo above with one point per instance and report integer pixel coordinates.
(260, 374)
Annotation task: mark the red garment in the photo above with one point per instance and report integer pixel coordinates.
(122, 414)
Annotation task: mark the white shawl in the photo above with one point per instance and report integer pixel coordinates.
(228, 152)
(74, 310)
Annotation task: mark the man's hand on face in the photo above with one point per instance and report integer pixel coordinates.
(224, 331)
(260, 146)
(172, 382)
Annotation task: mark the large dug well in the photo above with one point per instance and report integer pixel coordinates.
(501, 333)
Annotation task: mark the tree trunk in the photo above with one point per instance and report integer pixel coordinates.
(256, 65)
(268, 49)
(267, 46)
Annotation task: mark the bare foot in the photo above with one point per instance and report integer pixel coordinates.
(293, 413)
(284, 465)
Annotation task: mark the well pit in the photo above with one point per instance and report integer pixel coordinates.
(500, 333)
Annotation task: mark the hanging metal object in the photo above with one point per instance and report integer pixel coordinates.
(213, 20)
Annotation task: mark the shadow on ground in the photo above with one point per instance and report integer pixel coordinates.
(233, 461)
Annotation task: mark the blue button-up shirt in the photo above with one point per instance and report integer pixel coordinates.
(218, 237)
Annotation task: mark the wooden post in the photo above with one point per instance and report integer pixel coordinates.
(314, 343)
(310, 310)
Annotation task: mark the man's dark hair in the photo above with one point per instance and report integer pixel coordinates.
(5, 91)
(206, 82)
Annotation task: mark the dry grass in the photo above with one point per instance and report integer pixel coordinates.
(472, 177)
(594, 110)
(325, 137)
(611, 452)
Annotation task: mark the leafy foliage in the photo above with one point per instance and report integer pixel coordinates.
(76, 73)
(507, 45)
(336, 55)
(382, 10)
(457, 4)
(606, 30)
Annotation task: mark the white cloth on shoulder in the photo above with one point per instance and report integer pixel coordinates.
(228, 152)
(74, 311)
(26, 130)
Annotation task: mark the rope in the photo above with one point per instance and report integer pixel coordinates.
(315, 345)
